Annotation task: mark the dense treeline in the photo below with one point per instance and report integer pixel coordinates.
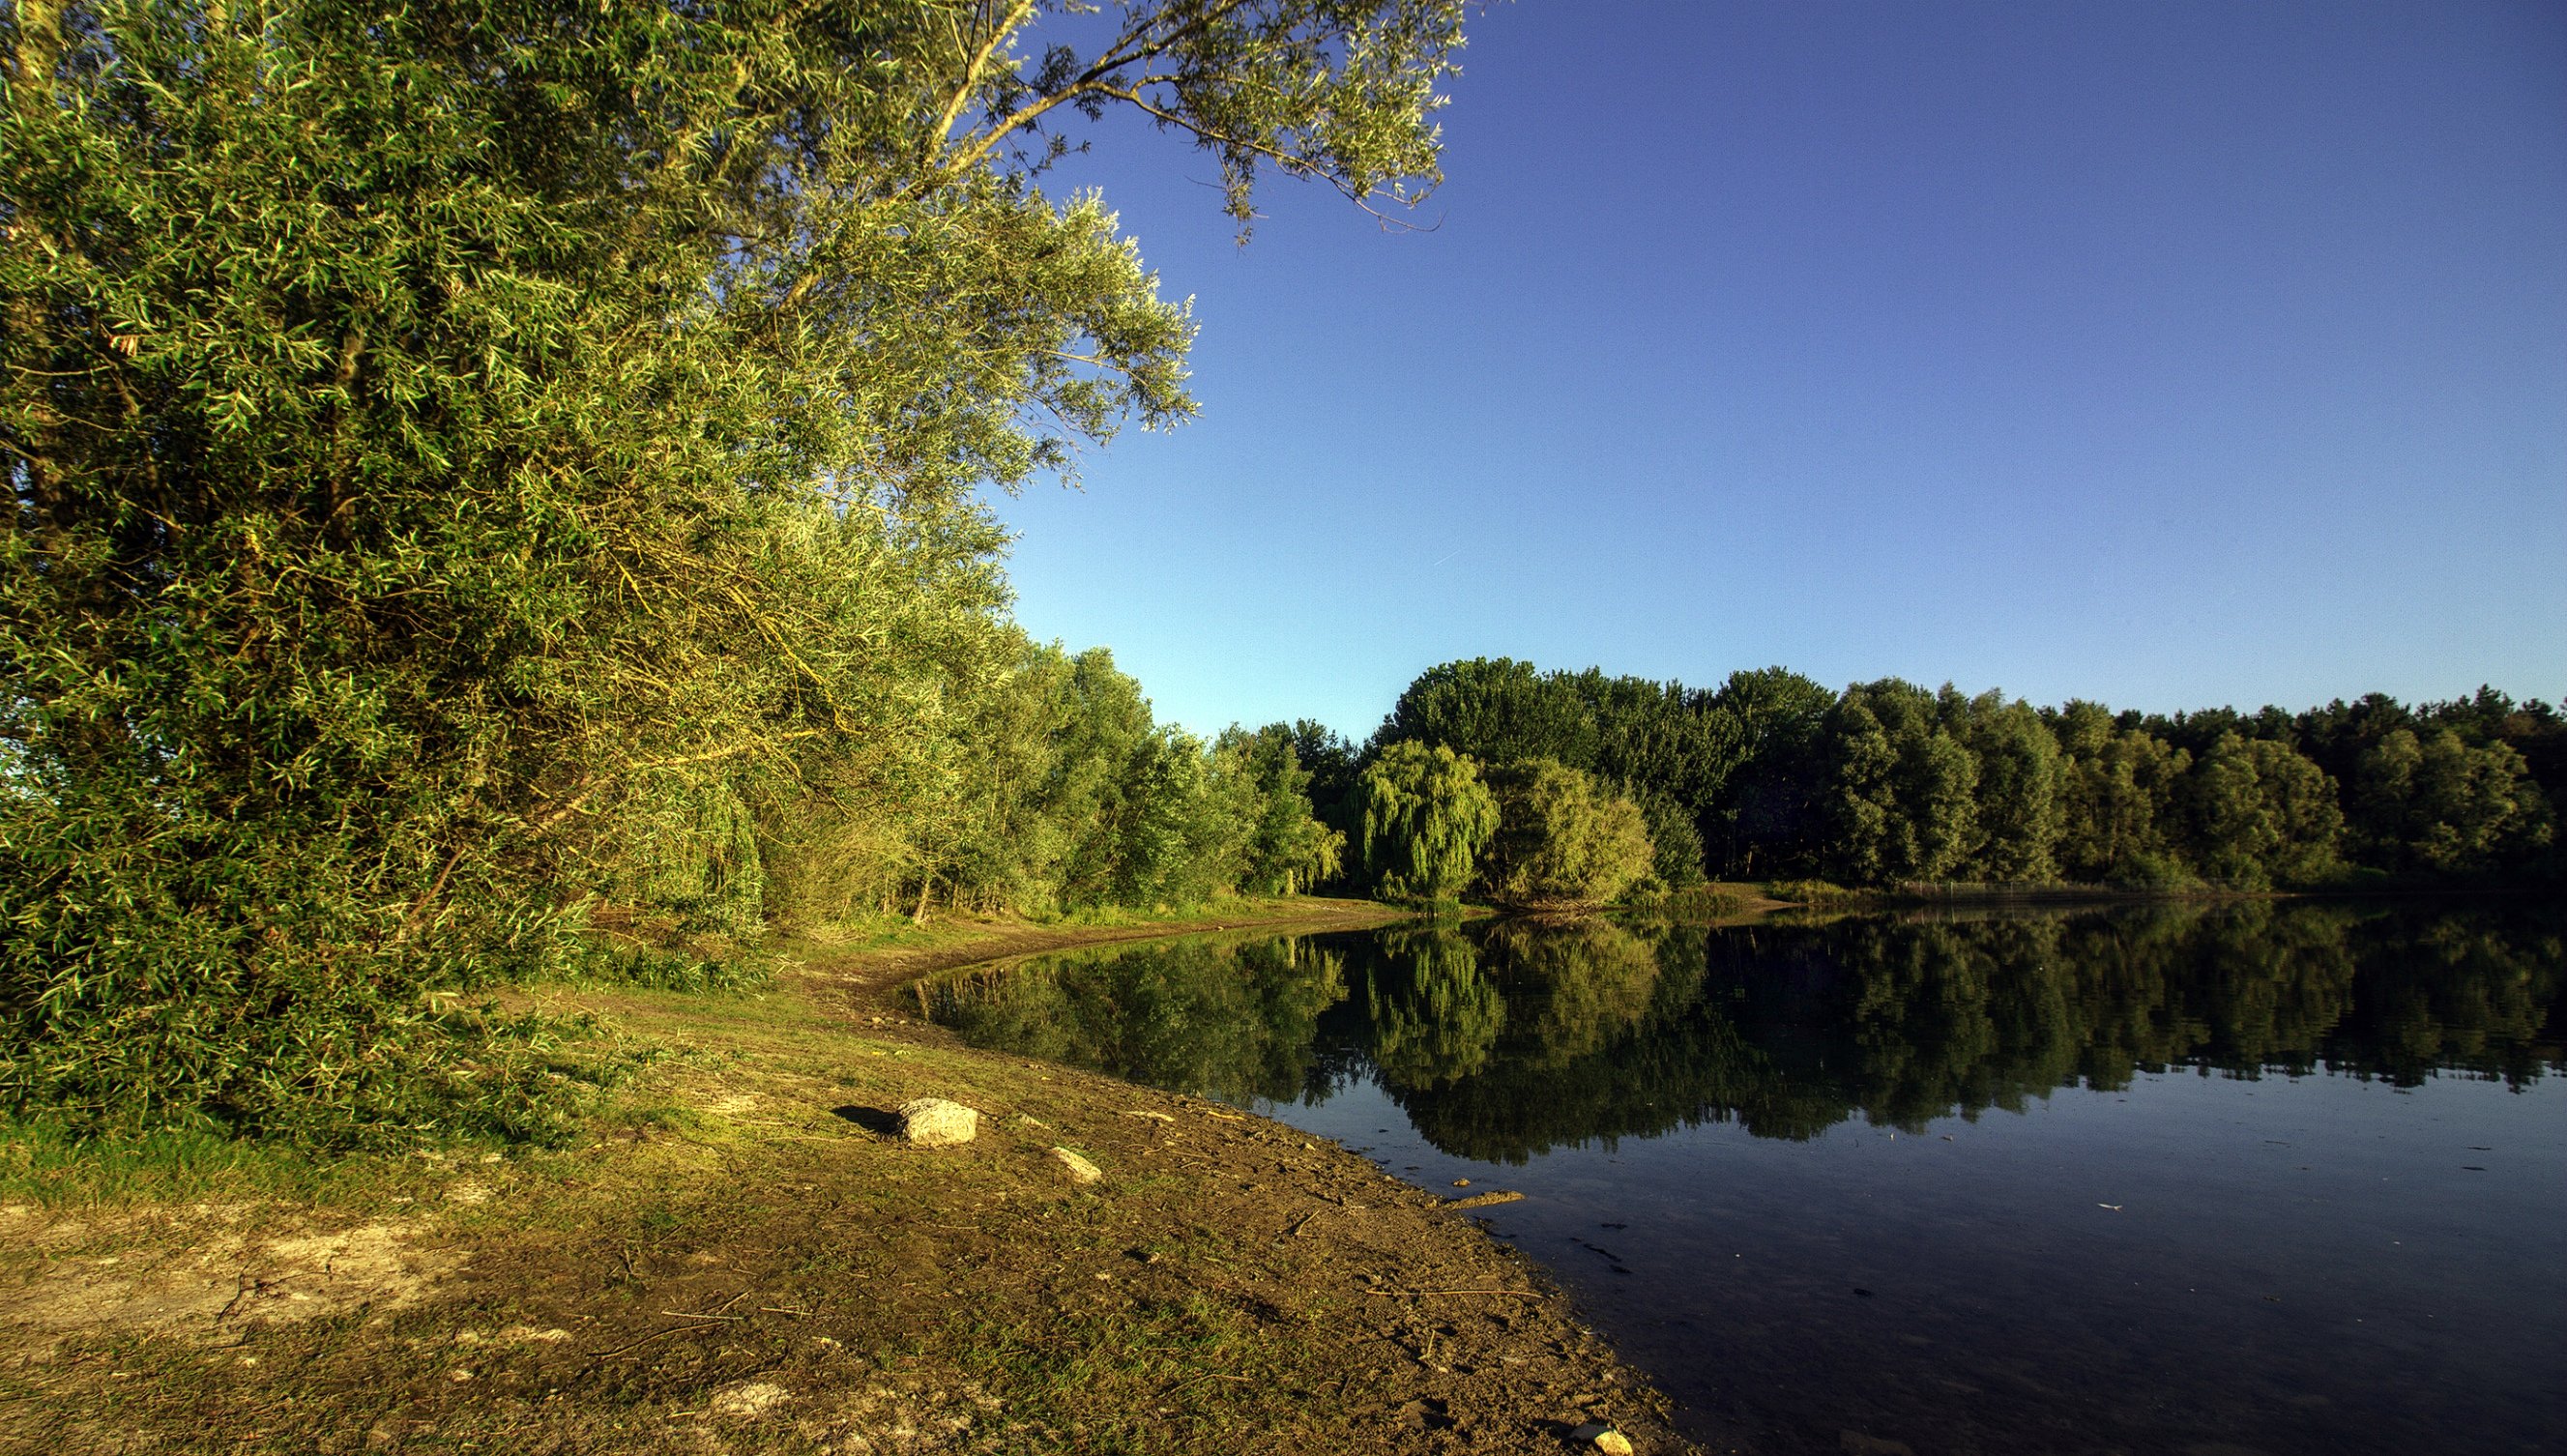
(494, 491)
(1773, 776)
(1059, 793)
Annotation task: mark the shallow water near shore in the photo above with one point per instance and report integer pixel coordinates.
(2253, 1178)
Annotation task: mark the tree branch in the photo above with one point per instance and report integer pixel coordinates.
(972, 66)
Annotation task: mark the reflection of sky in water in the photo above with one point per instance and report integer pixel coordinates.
(2294, 1266)
(2316, 1264)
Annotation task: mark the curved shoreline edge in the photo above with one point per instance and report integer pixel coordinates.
(747, 1258)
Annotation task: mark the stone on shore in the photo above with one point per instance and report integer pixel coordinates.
(1080, 1169)
(933, 1122)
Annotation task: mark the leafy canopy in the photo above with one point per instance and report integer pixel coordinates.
(1426, 814)
(467, 461)
(1563, 841)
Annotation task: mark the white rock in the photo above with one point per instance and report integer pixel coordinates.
(933, 1122)
(1080, 1169)
(1602, 1436)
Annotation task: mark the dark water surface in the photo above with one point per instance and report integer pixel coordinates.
(2284, 1179)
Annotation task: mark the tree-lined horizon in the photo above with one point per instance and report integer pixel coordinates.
(1772, 776)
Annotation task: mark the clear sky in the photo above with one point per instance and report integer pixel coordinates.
(2172, 355)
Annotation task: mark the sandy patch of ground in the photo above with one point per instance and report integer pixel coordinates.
(207, 1270)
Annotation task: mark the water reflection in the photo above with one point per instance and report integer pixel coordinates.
(1234, 1020)
(1501, 1042)
(1434, 1017)
(2205, 1249)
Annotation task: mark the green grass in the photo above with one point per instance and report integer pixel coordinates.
(942, 930)
(46, 1166)
(1812, 892)
(1702, 902)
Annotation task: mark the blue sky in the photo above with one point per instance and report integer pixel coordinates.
(2170, 355)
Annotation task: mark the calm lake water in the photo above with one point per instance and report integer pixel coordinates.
(2284, 1179)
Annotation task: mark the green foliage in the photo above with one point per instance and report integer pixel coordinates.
(1495, 711)
(2437, 803)
(1773, 810)
(699, 860)
(1100, 731)
(1332, 764)
(479, 467)
(1426, 815)
(2118, 812)
(1668, 748)
(1662, 740)
(1561, 840)
(1289, 850)
(1775, 777)
(1675, 843)
(1329, 759)
(1060, 794)
(2019, 818)
(1904, 803)
(2260, 814)
(1185, 826)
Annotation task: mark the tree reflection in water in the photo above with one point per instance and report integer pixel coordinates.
(1434, 1017)
(1506, 1039)
(1229, 1019)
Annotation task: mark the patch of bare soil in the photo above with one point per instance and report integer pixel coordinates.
(778, 1272)
(205, 1271)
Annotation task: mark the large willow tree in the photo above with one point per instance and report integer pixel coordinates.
(1425, 816)
(466, 457)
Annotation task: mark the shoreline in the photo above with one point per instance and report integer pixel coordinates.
(871, 974)
(747, 1258)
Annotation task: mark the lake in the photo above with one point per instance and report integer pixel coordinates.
(2267, 1177)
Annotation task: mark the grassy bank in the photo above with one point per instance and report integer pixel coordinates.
(742, 1256)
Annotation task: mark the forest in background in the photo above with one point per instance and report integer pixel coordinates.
(1774, 776)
